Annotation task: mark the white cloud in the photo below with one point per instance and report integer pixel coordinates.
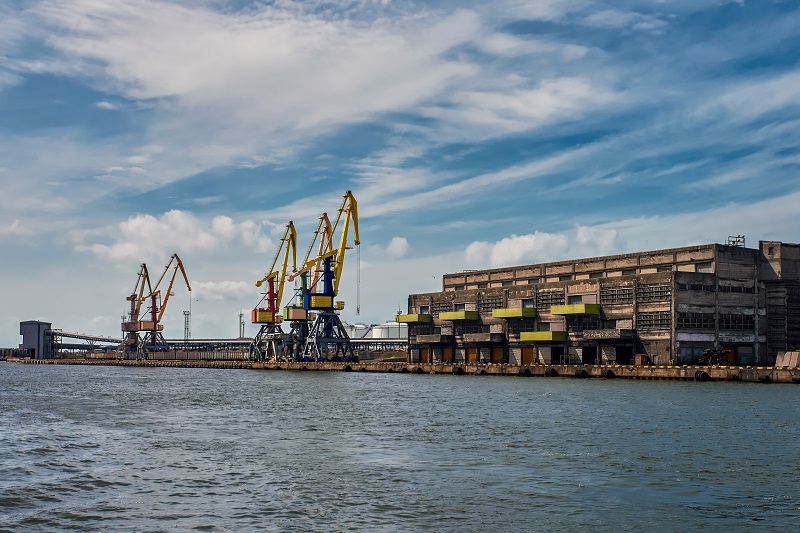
(548, 10)
(483, 114)
(616, 19)
(756, 97)
(142, 237)
(769, 219)
(15, 229)
(596, 241)
(280, 65)
(216, 291)
(397, 247)
(104, 104)
(516, 250)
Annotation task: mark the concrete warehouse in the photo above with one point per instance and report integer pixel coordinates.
(658, 307)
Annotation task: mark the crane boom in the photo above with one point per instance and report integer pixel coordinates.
(137, 297)
(324, 233)
(349, 209)
(178, 266)
(288, 243)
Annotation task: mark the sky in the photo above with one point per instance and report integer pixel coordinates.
(472, 134)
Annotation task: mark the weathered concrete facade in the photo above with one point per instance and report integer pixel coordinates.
(659, 307)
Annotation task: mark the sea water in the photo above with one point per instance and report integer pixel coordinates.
(173, 449)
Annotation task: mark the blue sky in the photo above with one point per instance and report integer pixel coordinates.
(473, 134)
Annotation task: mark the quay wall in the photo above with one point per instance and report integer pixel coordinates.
(648, 372)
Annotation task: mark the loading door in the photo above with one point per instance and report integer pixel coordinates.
(447, 355)
(527, 355)
(424, 355)
(497, 355)
(472, 354)
(728, 356)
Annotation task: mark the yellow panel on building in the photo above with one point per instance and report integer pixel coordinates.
(543, 336)
(575, 309)
(413, 318)
(459, 315)
(514, 312)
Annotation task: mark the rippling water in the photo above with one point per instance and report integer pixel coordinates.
(169, 449)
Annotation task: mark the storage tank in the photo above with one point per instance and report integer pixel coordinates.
(390, 330)
(356, 331)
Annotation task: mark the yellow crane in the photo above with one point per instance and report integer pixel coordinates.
(268, 342)
(327, 332)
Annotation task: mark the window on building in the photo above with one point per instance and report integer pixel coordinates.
(441, 307)
(620, 295)
(583, 323)
(696, 320)
(771, 250)
(664, 269)
(485, 305)
(597, 275)
(706, 267)
(565, 277)
(629, 272)
(460, 307)
(657, 320)
(654, 292)
(736, 288)
(461, 327)
(534, 281)
(575, 299)
(420, 329)
(696, 287)
(507, 284)
(482, 285)
(425, 309)
(740, 322)
(523, 324)
(544, 299)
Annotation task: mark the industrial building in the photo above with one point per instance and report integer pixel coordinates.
(658, 307)
(36, 339)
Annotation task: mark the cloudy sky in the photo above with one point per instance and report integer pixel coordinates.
(473, 134)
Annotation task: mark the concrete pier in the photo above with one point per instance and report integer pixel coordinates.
(753, 374)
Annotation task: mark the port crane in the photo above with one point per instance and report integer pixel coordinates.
(132, 342)
(327, 334)
(270, 340)
(153, 338)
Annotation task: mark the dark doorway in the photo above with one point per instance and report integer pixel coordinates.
(624, 355)
(589, 355)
